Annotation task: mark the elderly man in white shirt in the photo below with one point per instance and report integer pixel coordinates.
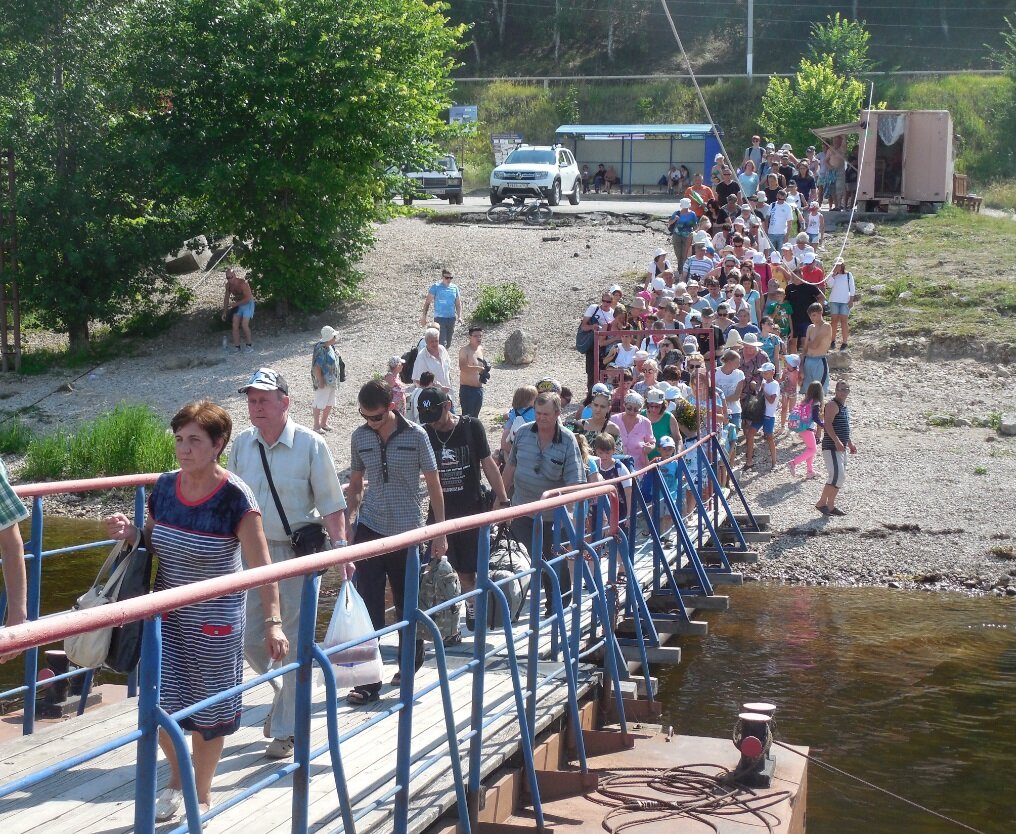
(433, 357)
(303, 473)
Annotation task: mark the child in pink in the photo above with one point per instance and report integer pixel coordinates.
(804, 419)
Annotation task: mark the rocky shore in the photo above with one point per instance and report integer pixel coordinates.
(929, 496)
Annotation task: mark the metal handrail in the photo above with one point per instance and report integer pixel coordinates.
(571, 640)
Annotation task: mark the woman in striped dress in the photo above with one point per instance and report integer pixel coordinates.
(198, 518)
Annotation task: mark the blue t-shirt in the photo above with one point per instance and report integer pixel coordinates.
(769, 344)
(683, 224)
(444, 300)
(749, 183)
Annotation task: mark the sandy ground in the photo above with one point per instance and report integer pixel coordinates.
(926, 506)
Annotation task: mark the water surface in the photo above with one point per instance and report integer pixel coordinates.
(915, 692)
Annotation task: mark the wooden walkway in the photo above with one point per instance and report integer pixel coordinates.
(98, 796)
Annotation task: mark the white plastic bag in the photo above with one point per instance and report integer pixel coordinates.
(360, 664)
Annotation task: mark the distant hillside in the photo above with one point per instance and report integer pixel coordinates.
(587, 37)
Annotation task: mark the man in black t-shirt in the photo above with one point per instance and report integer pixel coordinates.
(800, 295)
(461, 450)
(727, 186)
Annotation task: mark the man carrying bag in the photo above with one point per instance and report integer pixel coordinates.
(291, 472)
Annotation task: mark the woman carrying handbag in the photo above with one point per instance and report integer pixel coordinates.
(198, 518)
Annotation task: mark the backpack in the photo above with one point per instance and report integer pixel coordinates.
(584, 338)
(408, 361)
(439, 583)
(508, 556)
(799, 418)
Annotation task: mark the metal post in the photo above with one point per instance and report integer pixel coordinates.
(304, 695)
(535, 613)
(750, 45)
(148, 744)
(479, 649)
(34, 568)
(139, 522)
(407, 667)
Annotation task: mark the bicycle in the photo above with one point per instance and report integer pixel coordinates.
(535, 212)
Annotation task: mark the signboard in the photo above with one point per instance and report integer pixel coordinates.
(462, 114)
(503, 143)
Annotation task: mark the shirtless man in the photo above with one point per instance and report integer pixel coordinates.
(243, 304)
(835, 160)
(816, 346)
(472, 367)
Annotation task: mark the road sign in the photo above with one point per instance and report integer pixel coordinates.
(462, 114)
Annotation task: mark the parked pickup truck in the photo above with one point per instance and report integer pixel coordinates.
(443, 180)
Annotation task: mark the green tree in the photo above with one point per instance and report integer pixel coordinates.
(286, 113)
(92, 226)
(817, 95)
(845, 40)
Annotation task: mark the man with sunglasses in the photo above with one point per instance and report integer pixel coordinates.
(392, 453)
(447, 303)
(308, 489)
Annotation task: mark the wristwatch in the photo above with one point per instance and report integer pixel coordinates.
(273, 621)
(340, 543)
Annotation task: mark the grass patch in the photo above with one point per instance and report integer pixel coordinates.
(980, 470)
(952, 269)
(499, 302)
(1000, 194)
(129, 439)
(14, 436)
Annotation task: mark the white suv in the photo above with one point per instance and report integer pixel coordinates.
(548, 171)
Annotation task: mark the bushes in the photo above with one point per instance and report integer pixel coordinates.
(14, 437)
(499, 302)
(128, 440)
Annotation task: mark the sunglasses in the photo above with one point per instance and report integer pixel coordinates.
(373, 418)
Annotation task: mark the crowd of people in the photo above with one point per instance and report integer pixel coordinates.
(728, 334)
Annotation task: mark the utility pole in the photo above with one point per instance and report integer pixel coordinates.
(751, 35)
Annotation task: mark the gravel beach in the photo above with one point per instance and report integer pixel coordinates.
(927, 506)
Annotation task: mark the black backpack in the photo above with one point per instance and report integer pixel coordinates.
(408, 361)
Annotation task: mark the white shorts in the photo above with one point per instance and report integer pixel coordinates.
(836, 466)
(325, 397)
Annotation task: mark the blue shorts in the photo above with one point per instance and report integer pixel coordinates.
(839, 308)
(245, 311)
(767, 424)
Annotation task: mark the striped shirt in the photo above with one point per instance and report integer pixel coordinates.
(841, 427)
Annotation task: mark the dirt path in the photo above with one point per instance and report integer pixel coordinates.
(923, 501)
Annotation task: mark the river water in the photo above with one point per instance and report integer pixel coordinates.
(915, 692)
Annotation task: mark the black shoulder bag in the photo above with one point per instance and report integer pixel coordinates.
(310, 538)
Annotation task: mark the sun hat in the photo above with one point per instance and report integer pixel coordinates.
(684, 204)
(754, 220)
(667, 442)
(758, 258)
(654, 396)
(808, 258)
(328, 333)
(615, 288)
(266, 379)
(394, 362)
(548, 384)
(695, 315)
(658, 253)
(775, 257)
(813, 204)
(761, 197)
(770, 147)
(718, 156)
(792, 360)
(768, 366)
(601, 388)
(672, 392)
(751, 339)
(733, 339)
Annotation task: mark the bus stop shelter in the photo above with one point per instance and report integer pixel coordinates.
(641, 154)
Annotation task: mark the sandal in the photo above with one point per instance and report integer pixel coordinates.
(360, 695)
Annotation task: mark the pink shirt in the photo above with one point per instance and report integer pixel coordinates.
(631, 440)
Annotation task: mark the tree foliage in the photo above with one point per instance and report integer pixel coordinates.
(846, 41)
(286, 113)
(92, 226)
(817, 95)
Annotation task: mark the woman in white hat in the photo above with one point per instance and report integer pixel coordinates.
(681, 225)
(658, 265)
(326, 371)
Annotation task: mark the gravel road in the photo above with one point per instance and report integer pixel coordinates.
(926, 505)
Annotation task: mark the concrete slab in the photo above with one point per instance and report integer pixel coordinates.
(581, 815)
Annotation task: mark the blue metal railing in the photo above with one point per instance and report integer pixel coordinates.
(35, 553)
(578, 625)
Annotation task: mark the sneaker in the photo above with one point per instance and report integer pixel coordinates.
(248, 349)
(453, 640)
(167, 804)
(280, 748)
(471, 617)
(843, 347)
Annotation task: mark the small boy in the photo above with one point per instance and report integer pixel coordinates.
(788, 386)
(771, 392)
(778, 309)
(610, 468)
(667, 448)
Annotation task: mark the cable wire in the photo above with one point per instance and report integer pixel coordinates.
(885, 791)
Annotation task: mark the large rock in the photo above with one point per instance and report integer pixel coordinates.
(867, 229)
(519, 349)
(839, 360)
(194, 255)
(1008, 425)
